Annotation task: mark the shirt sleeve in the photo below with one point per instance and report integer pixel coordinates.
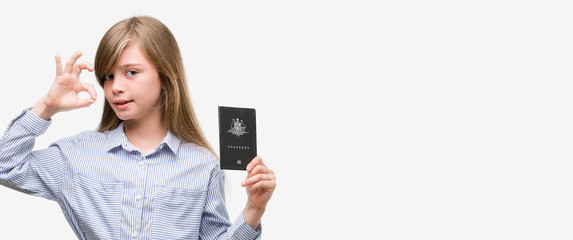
(215, 222)
(37, 173)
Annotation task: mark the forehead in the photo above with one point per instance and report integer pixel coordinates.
(133, 55)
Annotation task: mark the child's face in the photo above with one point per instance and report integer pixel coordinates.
(134, 88)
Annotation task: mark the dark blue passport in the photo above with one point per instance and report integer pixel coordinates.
(237, 137)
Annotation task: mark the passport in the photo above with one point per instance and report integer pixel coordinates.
(237, 137)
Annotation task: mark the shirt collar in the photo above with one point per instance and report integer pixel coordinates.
(116, 138)
(171, 141)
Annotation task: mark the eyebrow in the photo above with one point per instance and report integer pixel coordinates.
(129, 65)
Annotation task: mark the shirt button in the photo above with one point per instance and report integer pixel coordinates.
(142, 163)
(134, 235)
(138, 197)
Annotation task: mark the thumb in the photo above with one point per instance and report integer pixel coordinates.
(86, 87)
(84, 102)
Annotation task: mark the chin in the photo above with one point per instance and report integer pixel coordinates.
(123, 116)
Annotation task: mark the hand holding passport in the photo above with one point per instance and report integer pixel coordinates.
(238, 147)
(237, 137)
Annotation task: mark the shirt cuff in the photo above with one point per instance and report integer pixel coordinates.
(244, 231)
(33, 123)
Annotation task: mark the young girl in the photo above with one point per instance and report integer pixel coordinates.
(148, 172)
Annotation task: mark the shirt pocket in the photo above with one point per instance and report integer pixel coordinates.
(177, 213)
(97, 206)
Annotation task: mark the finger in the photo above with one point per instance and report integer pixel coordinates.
(70, 64)
(257, 178)
(83, 66)
(260, 169)
(58, 65)
(90, 89)
(256, 161)
(262, 185)
(84, 102)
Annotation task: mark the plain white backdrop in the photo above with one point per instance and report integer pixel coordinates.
(382, 119)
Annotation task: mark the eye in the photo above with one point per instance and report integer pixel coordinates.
(108, 77)
(131, 73)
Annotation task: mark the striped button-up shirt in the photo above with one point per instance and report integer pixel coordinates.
(108, 189)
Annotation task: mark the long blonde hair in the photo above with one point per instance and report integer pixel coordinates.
(160, 48)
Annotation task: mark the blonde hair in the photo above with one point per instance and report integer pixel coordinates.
(160, 48)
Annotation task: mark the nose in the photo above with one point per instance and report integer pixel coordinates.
(117, 86)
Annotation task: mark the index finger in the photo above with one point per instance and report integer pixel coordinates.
(256, 161)
(90, 89)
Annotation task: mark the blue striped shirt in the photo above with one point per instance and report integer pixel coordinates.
(107, 189)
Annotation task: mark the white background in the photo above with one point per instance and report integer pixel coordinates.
(382, 119)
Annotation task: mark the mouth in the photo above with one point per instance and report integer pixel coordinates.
(122, 104)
